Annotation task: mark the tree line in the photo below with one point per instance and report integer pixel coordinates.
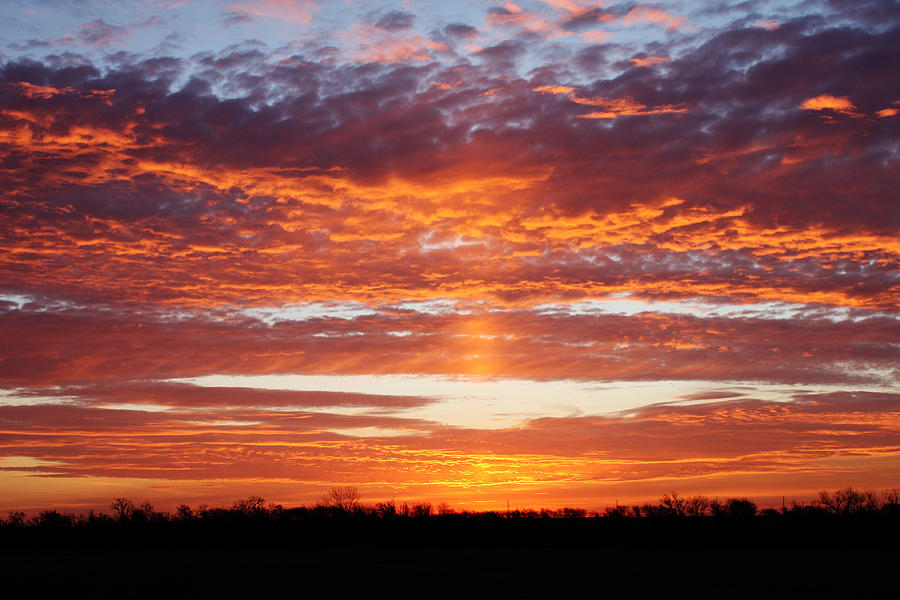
(346, 502)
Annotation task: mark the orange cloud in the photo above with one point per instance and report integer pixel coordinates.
(648, 61)
(622, 107)
(615, 107)
(828, 102)
(648, 451)
(390, 217)
(553, 89)
(41, 92)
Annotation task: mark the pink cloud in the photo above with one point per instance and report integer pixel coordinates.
(375, 44)
(769, 24)
(657, 16)
(297, 11)
(648, 61)
(596, 36)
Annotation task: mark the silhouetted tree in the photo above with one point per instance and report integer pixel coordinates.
(890, 502)
(444, 509)
(870, 501)
(843, 502)
(184, 512)
(253, 505)
(674, 504)
(696, 506)
(16, 518)
(345, 498)
(53, 519)
(123, 508)
(386, 509)
(144, 513)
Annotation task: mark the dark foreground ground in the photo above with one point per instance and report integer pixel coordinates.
(504, 572)
(447, 558)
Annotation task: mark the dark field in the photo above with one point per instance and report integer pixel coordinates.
(322, 553)
(518, 572)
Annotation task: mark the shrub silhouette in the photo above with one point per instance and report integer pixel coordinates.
(741, 508)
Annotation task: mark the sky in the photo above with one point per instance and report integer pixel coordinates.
(551, 253)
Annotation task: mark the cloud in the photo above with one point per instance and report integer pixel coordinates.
(648, 61)
(298, 11)
(396, 20)
(649, 14)
(826, 435)
(622, 107)
(235, 18)
(587, 18)
(346, 158)
(80, 347)
(614, 107)
(461, 31)
(100, 33)
(768, 24)
(870, 12)
(512, 16)
(184, 396)
(553, 89)
(828, 102)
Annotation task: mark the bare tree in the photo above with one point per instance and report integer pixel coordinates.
(253, 505)
(344, 498)
(843, 501)
(674, 504)
(444, 509)
(124, 508)
(386, 509)
(697, 506)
